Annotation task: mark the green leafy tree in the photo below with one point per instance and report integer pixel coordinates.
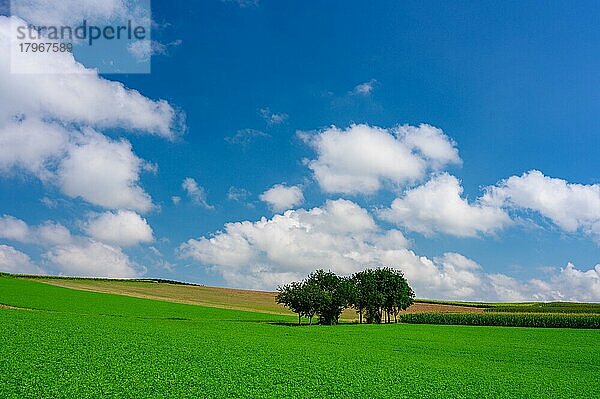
(396, 293)
(291, 296)
(380, 294)
(376, 294)
(332, 295)
(365, 295)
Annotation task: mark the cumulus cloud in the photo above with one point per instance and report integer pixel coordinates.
(343, 237)
(80, 96)
(281, 197)
(438, 206)
(47, 233)
(48, 129)
(340, 236)
(120, 228)
(431, 143)
(52, 233)
(91, 259)
(566, 284)
(195, 192)
(361, 158)
(15, 261)
(288, 244)
(14, 229)
(31, 145)
(572, 207)
(103, 172)
(76, 255)
(84, 164)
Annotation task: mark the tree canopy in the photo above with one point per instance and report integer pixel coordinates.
(376, 294)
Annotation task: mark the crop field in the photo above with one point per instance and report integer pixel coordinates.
(551, 307)
(59, 342)
(226, 298)
(534, 319)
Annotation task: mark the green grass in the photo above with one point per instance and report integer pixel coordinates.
(84, 344)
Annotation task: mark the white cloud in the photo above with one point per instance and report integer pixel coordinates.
(340, 236)
(281, 197)
(46, 128)
(84, 164)
(68, 12)
(176, 199)
(292, 243)
(460, 275)
(362, 158)
(15, 261)
(438, 206)
(76, 255)
(365, 88)
(431, 143)
(48, 233)
(14, 229)
(91, 259)
(120, 228)
(572, 207)
(568, 284)
(31, 145)
(272, 118)
(79, 96)
(52, 233)
(103, 172)
(195, 192)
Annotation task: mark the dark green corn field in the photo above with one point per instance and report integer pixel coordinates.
(550, 307)
(64, 343)
(525, 319)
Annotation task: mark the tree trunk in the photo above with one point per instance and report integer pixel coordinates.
(360, 316)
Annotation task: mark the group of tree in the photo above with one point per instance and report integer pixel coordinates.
(378, 295)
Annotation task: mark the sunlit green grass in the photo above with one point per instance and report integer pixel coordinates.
(84, 344)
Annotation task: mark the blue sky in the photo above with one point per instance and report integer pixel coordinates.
(511, 88)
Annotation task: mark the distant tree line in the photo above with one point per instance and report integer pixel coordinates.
(378, 295)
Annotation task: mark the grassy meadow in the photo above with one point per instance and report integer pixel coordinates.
(61, 342)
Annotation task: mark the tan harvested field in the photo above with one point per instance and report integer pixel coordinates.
(11, 307)
(259, 301)
(420, 307)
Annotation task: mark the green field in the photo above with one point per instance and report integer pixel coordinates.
(69, 343)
